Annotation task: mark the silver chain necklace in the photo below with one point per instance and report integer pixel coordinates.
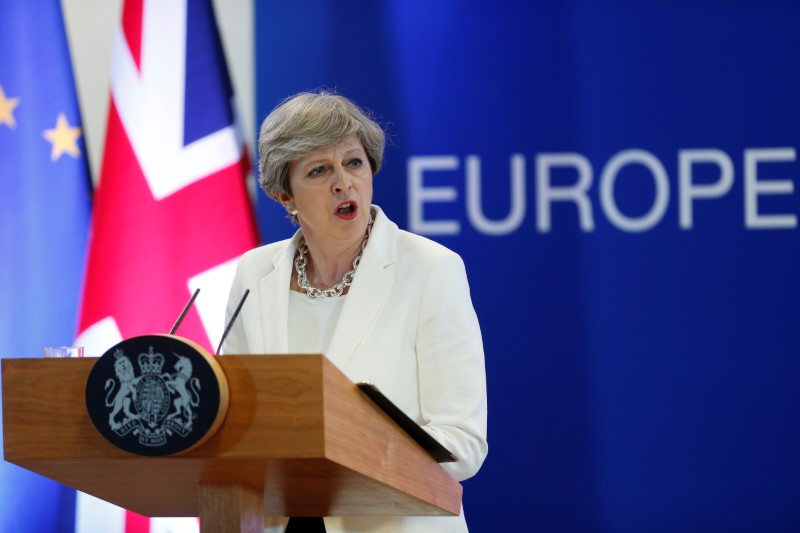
(314, 293)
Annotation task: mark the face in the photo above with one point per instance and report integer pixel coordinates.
(332, 189)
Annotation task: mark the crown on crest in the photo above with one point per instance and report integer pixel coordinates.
(151, 363)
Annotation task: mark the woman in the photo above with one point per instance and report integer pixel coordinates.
(384, 305)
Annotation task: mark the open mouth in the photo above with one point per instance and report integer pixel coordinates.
(347, 209)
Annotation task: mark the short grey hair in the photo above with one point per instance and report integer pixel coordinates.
(306, 122)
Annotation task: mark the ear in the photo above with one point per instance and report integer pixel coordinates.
(284, 199)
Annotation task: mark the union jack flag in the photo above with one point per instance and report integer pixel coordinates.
(172, 211)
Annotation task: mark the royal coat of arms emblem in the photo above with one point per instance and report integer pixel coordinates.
(154, 398)
(141, 404)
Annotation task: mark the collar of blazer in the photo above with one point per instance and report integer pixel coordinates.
(369, 292)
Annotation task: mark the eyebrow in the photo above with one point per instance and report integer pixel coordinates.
(313, 162)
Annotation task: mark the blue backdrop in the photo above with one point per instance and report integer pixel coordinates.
(619, 178)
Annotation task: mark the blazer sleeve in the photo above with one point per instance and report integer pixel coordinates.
(452, 374)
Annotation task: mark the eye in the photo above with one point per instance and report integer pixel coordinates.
(356, 162)
(317, 171)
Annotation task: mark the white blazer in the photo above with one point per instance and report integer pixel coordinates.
(407, 325)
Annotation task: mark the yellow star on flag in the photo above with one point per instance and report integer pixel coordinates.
(64, 138)
(7, 106)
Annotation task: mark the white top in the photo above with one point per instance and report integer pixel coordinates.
(312, 322)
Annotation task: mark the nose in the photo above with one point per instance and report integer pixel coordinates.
(341, 181)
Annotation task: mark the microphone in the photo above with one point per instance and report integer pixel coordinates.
(232, 320)
(183, 313)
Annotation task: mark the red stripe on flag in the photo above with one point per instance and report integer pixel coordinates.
(132, 14)
(136, 523)
(144, 250)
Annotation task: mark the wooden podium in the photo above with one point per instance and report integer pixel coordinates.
(299, 439)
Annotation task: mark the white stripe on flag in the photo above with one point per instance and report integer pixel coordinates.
(215, 285)
(93, 515)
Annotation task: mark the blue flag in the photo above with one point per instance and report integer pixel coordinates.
(44, 219)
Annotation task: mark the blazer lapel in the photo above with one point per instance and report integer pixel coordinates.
(273, 290)
(371, 287)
